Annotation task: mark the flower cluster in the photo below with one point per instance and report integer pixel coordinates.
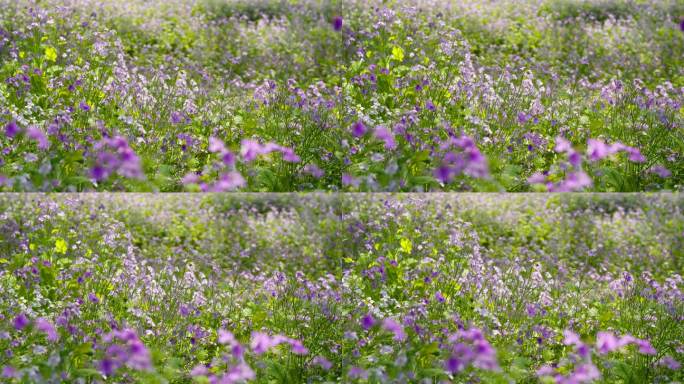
(345, 287)
(357, 96)
(469, 347)
(462, 157)
(124, 348)
(575, 178)
(115, 156)
(584, 370)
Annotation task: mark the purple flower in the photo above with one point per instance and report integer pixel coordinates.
(187, 141)
(46, 327)
(573, 181)
(670, 362)
(226, 337)
(11, 129)
(199, 370)
(358, 129)
(127, 349)
(635, 155)
(289, 155)
(337, 23)
(250, 149)
(597, 150)
(107, 367)
(562, 145)
(470, 347)
(524, 117)
(583, 350)
(238, 374)
(184, 310)
(537, 178)
(176, 117)
(297, 347)
(660, 171)
(476, 163)
(115, 156)
(430, 106)
(313, 170)
(382, 133)
(20, 322)
(467, 159)
(8, 372)
(84, 106)
(545, 370)
(216, 145)
(357, 373)
(262, 342)
(228, 158)
(606, 342)
(139, 356)
(367, 321)
(454, 365)
(130, 164)
(485, 356)
(93, 298)
(571, 338)
(37, 134)
(645, 347)
(574, 158)
(584, 373)
(443, 174)
(349, 180)
(392, 326)
(681, 24)
(439, 297)
(229, 181)
(322, 362)
(237, 350)
(99, 173)
(190, 178)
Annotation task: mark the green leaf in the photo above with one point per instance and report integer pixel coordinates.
(422, 180)
(83, 349)
(430, 349)
(432, 372)
(88, 372)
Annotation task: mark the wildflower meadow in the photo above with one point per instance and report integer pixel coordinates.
(302, 95)
(397, 191)
(355, 288)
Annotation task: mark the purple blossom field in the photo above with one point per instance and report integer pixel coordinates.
(379, 179)
(331, 95)
(341, 288)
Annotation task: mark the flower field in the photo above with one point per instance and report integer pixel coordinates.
(356, 139)
(316, 288)
(303, 95)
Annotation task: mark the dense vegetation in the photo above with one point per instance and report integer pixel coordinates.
(285, 95)
(341, 288)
